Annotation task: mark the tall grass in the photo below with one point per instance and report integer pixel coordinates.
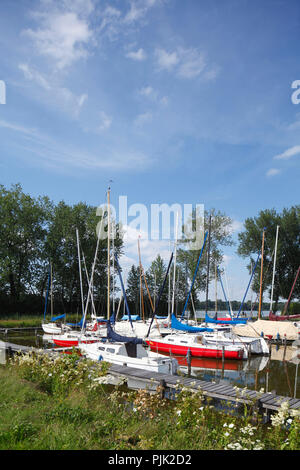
(64, 403)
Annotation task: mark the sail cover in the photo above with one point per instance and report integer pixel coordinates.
(111, 334)
(177, 325)
(58, 318)
(233, 321)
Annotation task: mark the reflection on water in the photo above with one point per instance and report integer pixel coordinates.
(278, 373)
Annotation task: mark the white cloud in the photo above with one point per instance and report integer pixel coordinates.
(192, 63)
(149, 248)
(187, 63)
(138, 55)
(272, 172)
(63, 32)
(153, 95)
(44, 151)
(236, 226)
(105, 121)
(138, 9)
(288, 153)
(166, 60)
(142, 119)
(61, 97)
(146, 91)
(17, 128)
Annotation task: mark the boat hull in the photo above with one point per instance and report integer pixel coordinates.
(72, 342)
(195, 351)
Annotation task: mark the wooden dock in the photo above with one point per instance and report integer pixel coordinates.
(265, 403)
(21, 329)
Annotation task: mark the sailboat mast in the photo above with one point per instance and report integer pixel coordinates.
(208, 260)
(216, 289)
(113, 266)
(141, 285)
(80, 273)
(273, 276)
(174, 271)
(51, 291)
(108, 253)
(261, 274)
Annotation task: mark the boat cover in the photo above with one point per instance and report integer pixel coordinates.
(58, 318)
(177, 325)
(133, 317)
(111, 334)
(233, 321)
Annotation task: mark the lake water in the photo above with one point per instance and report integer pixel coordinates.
(277, 372)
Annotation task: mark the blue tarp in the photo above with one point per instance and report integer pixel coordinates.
(112, 335)
(233, 321)
(133, 317)
(76, 324)
(58, 318)
(177, 325)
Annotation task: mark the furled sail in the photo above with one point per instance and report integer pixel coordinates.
(177, 325)
(112, 335)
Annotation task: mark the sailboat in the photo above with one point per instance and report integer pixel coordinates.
(128, 351)
(123, 350)
(52, 327)
(283, 317)
(71, 338)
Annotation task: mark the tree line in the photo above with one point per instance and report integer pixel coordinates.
(36, 233)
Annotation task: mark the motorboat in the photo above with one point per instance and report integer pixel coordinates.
(129, 354)
(196, 345)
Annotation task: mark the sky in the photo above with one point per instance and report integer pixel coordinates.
(167, 101)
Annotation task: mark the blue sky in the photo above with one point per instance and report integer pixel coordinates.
(175, 101)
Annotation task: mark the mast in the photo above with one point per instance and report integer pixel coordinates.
(108, 253)
(208, 260)
(169, 288)
(216, 290)
(80, 273)
(113, 251)
(195, 274)
(261, 274)
(141, 285)
(289, 299)
(92, 277)
(51, 289)
(273, 277)
(174, 271)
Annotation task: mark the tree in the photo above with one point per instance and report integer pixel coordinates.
(188, 258)
(133, 289)
(61, 248)
(23, 222)
(288, 250)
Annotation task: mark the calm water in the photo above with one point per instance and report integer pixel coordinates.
(278, 373)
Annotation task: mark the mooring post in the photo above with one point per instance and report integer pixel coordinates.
(189, 360)
(162, 388)
(284, 351)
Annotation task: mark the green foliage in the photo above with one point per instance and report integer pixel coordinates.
(120, 419)
(288, 251)
(35, 232)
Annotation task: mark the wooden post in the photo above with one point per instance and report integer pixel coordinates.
(162, 388)
(189, 361)
(284, 351)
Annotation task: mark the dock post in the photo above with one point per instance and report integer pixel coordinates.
(162, 388)
(284, 351)
(189, 361)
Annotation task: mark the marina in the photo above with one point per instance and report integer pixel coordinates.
(277, 372)
(220, 390)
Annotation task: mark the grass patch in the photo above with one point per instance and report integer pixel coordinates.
(43, 408)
